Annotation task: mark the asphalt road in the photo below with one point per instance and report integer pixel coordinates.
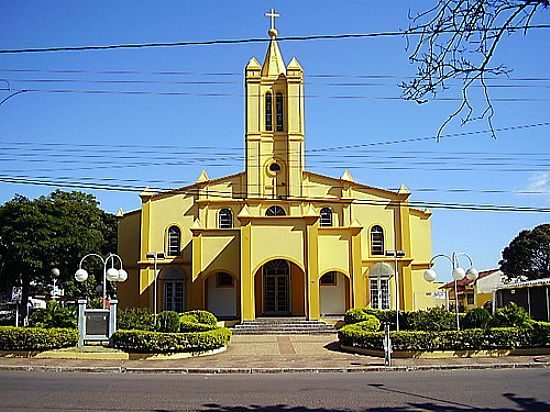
(458, 390)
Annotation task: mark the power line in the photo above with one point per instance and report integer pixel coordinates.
(240, 74)
(222, 195)
(226, 83)
(265, 40)
(240, 95)
(140, 183)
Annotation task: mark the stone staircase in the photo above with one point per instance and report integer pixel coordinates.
(282, 326)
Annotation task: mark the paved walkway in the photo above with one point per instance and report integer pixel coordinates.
(282, 352)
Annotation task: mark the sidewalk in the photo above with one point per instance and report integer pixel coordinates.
(272, 354)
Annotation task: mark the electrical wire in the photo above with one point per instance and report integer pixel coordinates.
(240, 95)
(265, 40)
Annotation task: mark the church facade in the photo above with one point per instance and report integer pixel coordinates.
(275, 239)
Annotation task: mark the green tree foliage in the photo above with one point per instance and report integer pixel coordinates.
(52, 231)
(528, 254)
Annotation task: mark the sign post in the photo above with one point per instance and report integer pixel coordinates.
(16, 296)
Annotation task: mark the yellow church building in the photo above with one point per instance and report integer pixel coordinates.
(276, 239)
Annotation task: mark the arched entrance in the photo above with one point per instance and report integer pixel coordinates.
(334, 293)
(279, 289)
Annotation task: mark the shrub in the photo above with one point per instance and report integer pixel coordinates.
(158, 342)
(355, 315)
(433, 319)
(511, 315)
(469, 339)
(18, 338)
(202, 316)
(135, 318)
(476, 318)
(168, 321)
(195, 327)
(371, 324)
(54, 316)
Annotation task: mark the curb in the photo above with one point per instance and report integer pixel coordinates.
(266, 371)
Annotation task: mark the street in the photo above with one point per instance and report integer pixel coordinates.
(456, 390)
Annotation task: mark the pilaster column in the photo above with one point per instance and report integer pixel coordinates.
(356, 264)
(196, 295)
(247, 277)
(312, 275)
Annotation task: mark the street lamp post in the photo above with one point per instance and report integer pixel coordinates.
(111, 274)
(458, 274)
(396, 254)
(55, 275)
(155, 256)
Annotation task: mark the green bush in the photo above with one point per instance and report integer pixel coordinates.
(135, 318)
(195, 327)
(355, 315)
(537, 335)
(469, 339)
(477, 318)
(168, 321)
(202, 316)
(158, 342)
(433, 319)
(511, 315)
(54, 316)
(38, 339)
(371, 324)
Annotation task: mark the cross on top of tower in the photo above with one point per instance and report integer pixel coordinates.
(272, 15)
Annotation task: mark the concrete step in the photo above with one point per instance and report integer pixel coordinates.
(282, 326)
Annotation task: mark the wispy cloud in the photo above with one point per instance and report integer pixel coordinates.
(538, 184)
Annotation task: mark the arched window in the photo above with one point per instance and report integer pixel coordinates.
(377, 240)
(328, 279)
(279, 106)
(326, 217)
(225, 219)
(174, 241)
(224, 280)
(268, 112)
(275, 211)
(379, 276)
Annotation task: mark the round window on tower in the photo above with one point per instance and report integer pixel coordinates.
(274, 167)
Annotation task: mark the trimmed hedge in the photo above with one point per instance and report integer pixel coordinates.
(201, 316)
(168, 322)
(186, 326)
(18, 338)
(468, 339)
(158, 342)
(135, 318)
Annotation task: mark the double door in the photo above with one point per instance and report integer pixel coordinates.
(277, 288)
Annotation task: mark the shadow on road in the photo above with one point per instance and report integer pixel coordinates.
(439, 405)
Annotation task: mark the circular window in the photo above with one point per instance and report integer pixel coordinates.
(274, 167)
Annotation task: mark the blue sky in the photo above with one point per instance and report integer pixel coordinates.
(150, 122)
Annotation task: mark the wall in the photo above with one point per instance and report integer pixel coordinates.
(129, 228)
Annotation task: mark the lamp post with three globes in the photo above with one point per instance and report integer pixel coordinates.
(112, 274)
(458, 274)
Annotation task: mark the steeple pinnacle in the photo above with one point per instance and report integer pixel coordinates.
(274, 64)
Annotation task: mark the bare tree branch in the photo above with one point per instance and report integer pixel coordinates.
(457, 39)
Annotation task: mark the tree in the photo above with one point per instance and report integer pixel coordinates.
(528, 254)
(457, 39)
(52, 231)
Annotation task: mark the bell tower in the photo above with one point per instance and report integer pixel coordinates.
(274, 124)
